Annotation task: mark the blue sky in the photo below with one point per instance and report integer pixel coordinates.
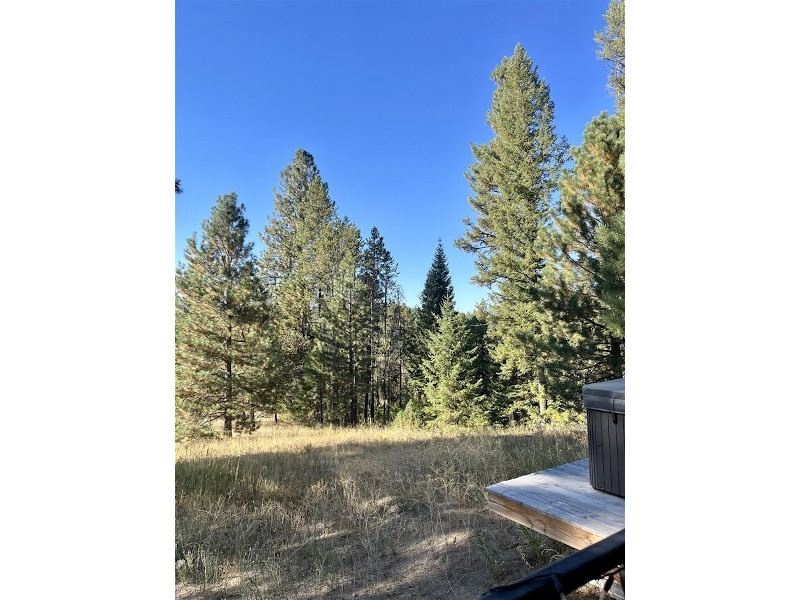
(386, 96)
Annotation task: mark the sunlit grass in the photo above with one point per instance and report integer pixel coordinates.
(302, 512)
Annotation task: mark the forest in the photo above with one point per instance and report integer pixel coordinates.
(315, 328)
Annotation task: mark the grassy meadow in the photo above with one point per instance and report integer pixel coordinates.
(398, 512)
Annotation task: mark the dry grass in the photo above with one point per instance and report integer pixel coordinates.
(295, 512)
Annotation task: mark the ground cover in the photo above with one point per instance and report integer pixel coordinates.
(398, 512)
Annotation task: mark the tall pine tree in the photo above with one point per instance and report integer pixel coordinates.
(589, 237)
(379, 274)
(612, 50)
(296, 267)
(590, 244)
(220, 372)
(513, 181)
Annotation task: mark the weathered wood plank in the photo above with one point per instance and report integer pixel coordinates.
(584, 500)
(586, 518)
(579, 490)
(549, 499)
(560, 503)
(580, 486)
(544, 523)
(578, 468)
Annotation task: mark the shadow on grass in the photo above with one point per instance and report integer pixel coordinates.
(374, 519)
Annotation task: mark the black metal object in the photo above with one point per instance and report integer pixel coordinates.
(565, 575)
(605, 419)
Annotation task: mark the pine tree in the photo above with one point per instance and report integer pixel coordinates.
(612, 50)
(438, 287)
(397, 359)
(296, 267)
(341, 340)
(589, 237)
(487, 370)
(611, 233)
(379, 273)
(221, 370)
(513, 180)
(591, 230)
(452, 389)
(415, 351)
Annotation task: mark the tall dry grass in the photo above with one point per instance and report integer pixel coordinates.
(294, 512)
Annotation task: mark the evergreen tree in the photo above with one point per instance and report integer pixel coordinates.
(343, 323)
(220, 372)
(513, 180)
(398, 359)
(415, 351)
(379, 273)
(611, 233)
(589, 237)
(583, 284)
(438, 287)
(612, 50)
(452, 389)
(487, 370)
(611, 285)
(296, 266)
(591, 229)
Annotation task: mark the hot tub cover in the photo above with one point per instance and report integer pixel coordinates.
(608, 396)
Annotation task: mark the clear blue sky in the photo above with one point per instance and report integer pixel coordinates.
(386, 96)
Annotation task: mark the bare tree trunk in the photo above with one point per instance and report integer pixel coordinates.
(351, 363)
(616, 358)
(372, 406)
(229, 382)
(228, 424)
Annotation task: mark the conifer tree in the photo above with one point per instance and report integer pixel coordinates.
(611, 233)
(487, 370)
(612, 50)
(398, 357)
(438, 287)
(415, 351)
(296, 266)
(343, 323)
(513, 181)
(588, 278)
(379, 273)
(452, 389)
(590, 232)
(220, 316)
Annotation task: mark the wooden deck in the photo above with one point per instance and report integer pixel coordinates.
(560, 503)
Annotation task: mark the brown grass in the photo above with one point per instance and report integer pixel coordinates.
(294, 512)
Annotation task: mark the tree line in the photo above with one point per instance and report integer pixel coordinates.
(316, 325)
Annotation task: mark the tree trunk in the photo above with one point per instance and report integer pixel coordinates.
(351, 364)
(400, 382)
(353, 397)
(320, 401)
(616, 358)
(228, 424)
(372, 406)
(229, 382)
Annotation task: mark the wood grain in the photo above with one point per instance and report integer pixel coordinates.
(561, 504)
